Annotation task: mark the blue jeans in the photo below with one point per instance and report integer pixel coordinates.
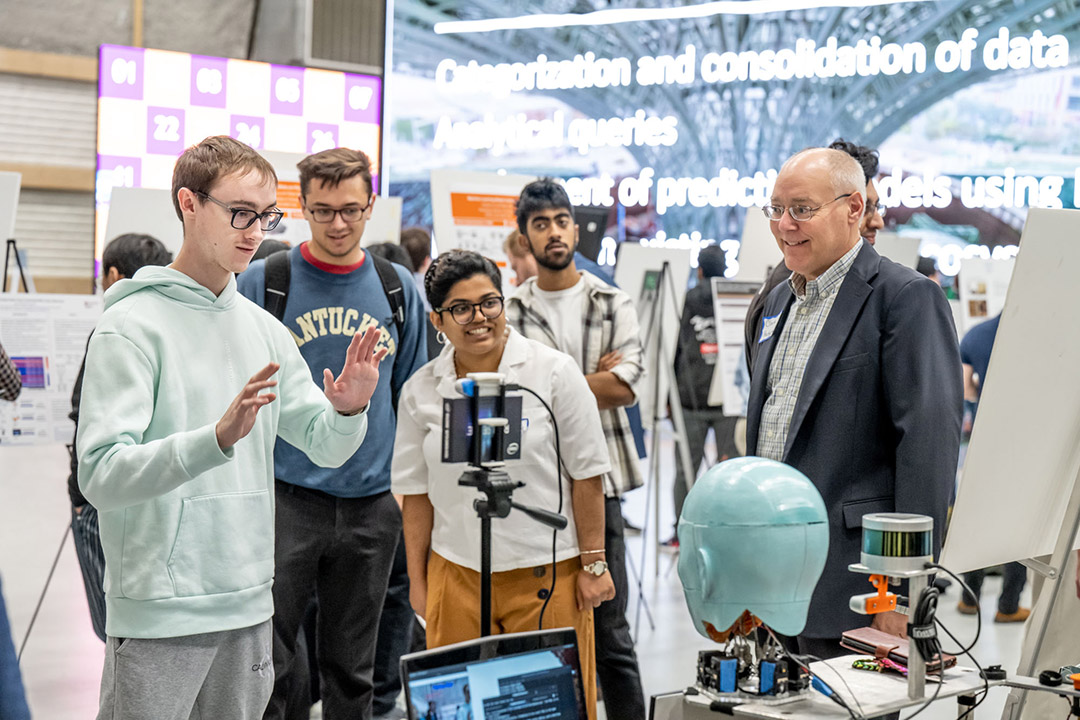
(12, 697)
(1014, 576)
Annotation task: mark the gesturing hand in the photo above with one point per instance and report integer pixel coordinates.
(353, 388)
(239, 418)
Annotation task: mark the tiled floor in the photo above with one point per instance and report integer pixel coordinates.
(62, 662)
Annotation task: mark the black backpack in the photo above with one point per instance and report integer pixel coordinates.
(277, 277)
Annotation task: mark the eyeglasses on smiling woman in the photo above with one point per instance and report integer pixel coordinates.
(464, 312)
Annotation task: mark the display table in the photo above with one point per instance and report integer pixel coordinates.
(877, 694)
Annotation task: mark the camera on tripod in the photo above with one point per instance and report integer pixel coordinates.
(483, 428)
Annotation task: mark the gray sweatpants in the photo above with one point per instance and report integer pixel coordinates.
(225, 674)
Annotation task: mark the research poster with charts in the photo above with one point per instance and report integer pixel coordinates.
(475, 210)
(153, 104)
(731, 301)
(983, 285)
(45, 336)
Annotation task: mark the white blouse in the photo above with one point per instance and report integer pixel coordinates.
(517, 540)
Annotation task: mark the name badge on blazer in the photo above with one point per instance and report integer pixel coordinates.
(768, 327)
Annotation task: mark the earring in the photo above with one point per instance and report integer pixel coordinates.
(440, 337)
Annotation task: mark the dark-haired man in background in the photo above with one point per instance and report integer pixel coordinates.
(416, 241)
(122, 257)
(695, 357)
(595, 324)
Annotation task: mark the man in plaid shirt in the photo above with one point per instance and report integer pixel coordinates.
(856, 380)
(595, 324)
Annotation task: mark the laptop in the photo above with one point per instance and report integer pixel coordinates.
(502, 677)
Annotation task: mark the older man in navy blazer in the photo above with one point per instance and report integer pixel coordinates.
(857, 379)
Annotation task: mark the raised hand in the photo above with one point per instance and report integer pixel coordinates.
(239, 418)
(350, 392)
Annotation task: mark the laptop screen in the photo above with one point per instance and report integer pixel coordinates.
(525, 676)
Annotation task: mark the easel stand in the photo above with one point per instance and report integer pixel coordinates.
(1044, 608)
(664, 307)
(12, 249)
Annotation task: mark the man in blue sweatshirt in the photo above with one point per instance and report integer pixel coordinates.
(175, 447)
(338, 529)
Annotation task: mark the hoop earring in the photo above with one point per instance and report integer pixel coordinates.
(440, 337)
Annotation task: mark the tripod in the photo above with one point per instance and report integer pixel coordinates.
(659, 296)
(486, 458)
(12, 249)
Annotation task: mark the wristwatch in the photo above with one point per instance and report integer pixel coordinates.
(597, 568)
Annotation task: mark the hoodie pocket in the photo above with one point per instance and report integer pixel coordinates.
(225, 543)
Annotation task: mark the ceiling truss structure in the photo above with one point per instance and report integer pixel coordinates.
(748, 125)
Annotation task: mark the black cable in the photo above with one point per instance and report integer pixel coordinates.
(834, 696)
(941, 680)
(558, 480)
(806, 666)
(967, 651)
(921, 630)
(978, 611)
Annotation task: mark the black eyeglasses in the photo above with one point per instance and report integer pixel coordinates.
(464, 312)
(799, 213)
(879, 209)
(350, 214)
(243, 218)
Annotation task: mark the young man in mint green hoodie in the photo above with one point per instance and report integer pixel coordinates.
(175, 444)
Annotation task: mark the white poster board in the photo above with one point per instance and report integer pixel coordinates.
(9, 203)
(1025, 448)
(385, 222)
(148, 211)
(758, 251)
(983, 285)
(901, 249)
(45, 336)
(474, 210)
(731, 301)
(634, 262)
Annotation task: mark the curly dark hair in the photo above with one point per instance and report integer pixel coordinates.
(865, 156)
(453, 266)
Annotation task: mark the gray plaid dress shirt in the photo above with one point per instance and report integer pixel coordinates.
(609, 323)
(813, 301)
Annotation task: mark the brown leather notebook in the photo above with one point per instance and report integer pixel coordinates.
(879, 644)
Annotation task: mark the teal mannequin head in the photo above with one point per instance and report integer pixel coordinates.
(754, 536)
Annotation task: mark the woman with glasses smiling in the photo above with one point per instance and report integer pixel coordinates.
(442, 530)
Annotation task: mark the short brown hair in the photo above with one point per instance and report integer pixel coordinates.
(512, 244)
(334, 166)
(417, 242)
(204, 164)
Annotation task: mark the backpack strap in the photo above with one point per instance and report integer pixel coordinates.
(395, 293)
(277, 271)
